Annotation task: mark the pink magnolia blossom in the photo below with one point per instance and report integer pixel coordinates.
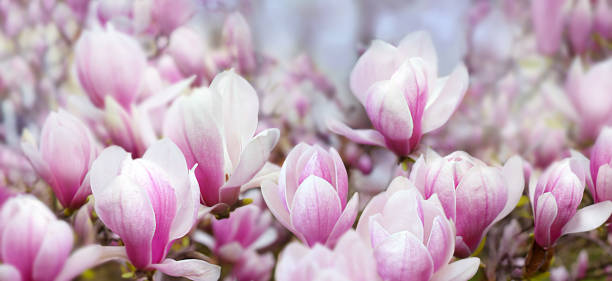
(150, 202)
(236, 36)
(311, 196)
(402, 93)
(167, 15)
(63, 135)
(215, 128)
(189, 51)
(603, 19)
(351, 259)
(555, 196)
(548, 19)
(588, 91)
(581, 25)
(474, 195)
(110, 63)
(252, 267)
(410, 237)
(35, 245)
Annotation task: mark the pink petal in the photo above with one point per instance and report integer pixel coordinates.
(515, 182)
(362, 136)
(403, 212)
(125, 208)
(315, 210)
(544, 217)
(345, 221)
(288, 179)
(361, 263)
(275, 204)
(53, 251)
(340, 176)
(440, 243)
(106, 167)
(378, 63)
(192, 269)
(89, 257)
(403, 256)
(603, 187)
(419, 44)
(288, 261)
(269, 171)
(441, 107)
(589, 218)
(463, 269)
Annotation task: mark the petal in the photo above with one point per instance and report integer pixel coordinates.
(419, 44)
(375, 206)
(240, 110)
(269, 171)
(345, 221)
(544, 217)
(105, 168)
(603, 187)
(440, 108)
(187, 212)
(515, 182)
(166, 95)
(360, 260)
(340, 176)
(271, 196)
(463, 269)
(378, 63)
(53, 251)
(390, 114)
(9, 273)
(288, 261)
(589, 218)
(361, 136)
(89, 257)
(192, 269)
(28, 146)
(403, 211)
(440, 243)
(167, 156)
(315, 210)
(403, 256)
(125, 208)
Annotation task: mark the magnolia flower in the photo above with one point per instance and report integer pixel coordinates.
(252, 267)
(167, 15)
(63, 135)
(311, 197)
(402, 94)
(149, 202)
(601, 167)
(351, 259)
(188, 50)
(215, 128)
(110, 63)
(548, 20)
(581, 25)
(589, 94)
(239, 43)
(36, 246)
(411, 238)
(556, 196)
(475, 196)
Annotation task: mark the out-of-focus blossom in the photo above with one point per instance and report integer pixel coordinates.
(215, 128)
(555, 196)
(63, 135)
(603, 19)
(34, 241)
(188, 50)
(588, 92)
(580, 25)
(548, 17)
(351, 259)
(110, 63)
(149, 202)
(167, 15)
(370, 183)
(474, 195)
(411, 238)
(237, 39)
(130, 129)
(393, 81)
(247, 228)
(252, 267)
(311, 197)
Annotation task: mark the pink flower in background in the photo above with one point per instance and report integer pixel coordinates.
(236, 36)
(473, 194)
(581, 25)
(189, 51)
(411, 238)
(351, 259)
(149, 202)
(311, 197)
(110, 63)
(215, 128)
(66, 152)
(252, 267)
(402, 93)
(588, 91)
(548, 19)
(167, 15)
(556, 196)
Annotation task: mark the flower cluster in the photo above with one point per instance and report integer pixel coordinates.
(433, 140)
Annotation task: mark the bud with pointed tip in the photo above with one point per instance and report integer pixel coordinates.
(580, 26)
